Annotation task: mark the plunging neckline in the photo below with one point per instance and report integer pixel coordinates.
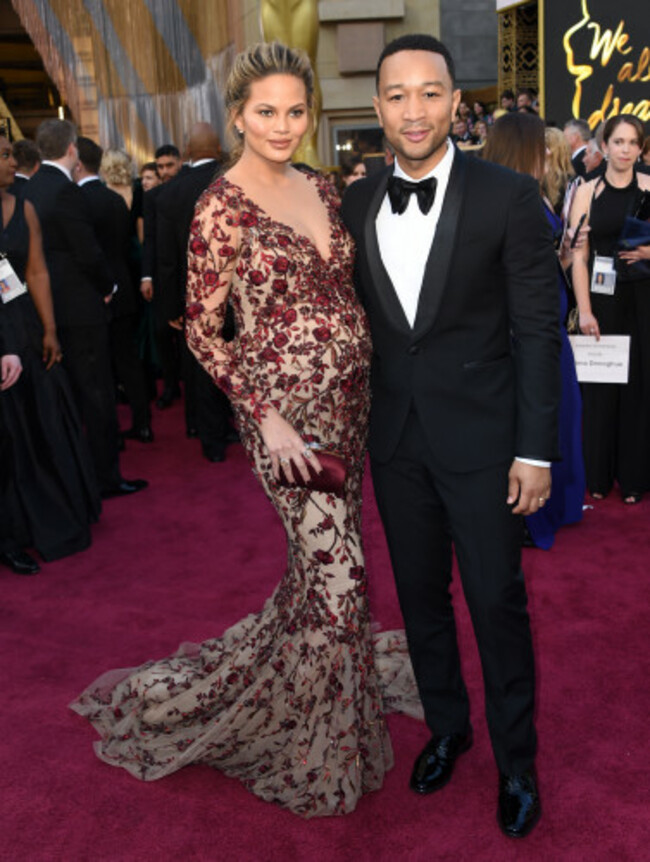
(287, 227)
(11, 217)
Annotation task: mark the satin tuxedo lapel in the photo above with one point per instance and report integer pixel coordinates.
(391, 305)
(437, 269)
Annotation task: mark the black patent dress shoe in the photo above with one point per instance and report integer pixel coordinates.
(435, 765)
(215, 453)
(124, 488)
(519, 807)
(142, 435)
(167, 396)
(19, 562)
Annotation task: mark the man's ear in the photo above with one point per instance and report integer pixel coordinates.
(455, 101)
(375, 105)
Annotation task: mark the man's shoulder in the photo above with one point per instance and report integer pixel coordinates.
(358, 195)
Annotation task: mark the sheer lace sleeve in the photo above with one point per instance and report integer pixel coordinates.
(213, 250)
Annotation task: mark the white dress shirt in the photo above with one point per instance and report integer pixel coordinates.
(60, 167)
(405, 242)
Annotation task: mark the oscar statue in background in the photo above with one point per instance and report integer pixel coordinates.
(295, 23)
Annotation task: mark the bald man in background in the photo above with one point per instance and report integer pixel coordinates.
(206, 407)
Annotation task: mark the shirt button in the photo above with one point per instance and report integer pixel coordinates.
(413, 350)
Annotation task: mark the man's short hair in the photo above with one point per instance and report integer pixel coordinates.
(90, 154)
(53, 137)
(26, 154)
(168, 150)
(580, 126)
(417, 42)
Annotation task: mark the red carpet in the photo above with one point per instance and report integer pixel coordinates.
(200, 549)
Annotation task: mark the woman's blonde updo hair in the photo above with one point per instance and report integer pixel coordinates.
(257, 62)
(117, 168)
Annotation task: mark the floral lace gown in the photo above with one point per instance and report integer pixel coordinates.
(289, 700)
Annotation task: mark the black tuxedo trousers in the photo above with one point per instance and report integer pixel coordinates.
(426, 509)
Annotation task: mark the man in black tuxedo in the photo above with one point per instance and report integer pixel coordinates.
(112, 225)
(82, 285)
(459, 284)
(576, 134)
(28, 161)
(168, 165)
(206, 406)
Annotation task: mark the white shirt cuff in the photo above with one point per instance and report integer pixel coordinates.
(534, 462)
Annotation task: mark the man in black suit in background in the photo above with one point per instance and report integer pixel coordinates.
(168, 165)
(28, 161)
(576, 134)
(112, 225)
(206, 406)
(82, 285)
(456, 269)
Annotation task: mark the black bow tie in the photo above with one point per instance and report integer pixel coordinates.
(399, 192)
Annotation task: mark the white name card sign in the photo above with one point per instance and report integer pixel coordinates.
(604, 361)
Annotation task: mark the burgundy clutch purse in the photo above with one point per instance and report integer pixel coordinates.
(330, 480)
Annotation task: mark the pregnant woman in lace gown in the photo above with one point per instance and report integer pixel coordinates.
(290, 700)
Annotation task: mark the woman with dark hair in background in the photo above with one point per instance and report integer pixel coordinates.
(352, 169)
(517, 141)
(613, 298)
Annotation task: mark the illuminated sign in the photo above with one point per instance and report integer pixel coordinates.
(596, 58)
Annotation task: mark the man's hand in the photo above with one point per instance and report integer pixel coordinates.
(176, 324)
(10, 369)
(51, 349)
(529, 487)
(146, 289)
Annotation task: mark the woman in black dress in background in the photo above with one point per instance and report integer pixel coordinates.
(616, 417)
(54, 497)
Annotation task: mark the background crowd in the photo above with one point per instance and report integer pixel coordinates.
(102, 248)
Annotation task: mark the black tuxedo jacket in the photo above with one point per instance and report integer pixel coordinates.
(79, 274)
(174, 213)
(481, 363)
(578, 163)
(111, 221)
(18, 186)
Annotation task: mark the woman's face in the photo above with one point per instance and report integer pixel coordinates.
(274, 118)
(149, 180)
(7, 164)
(622, 148)
(358, 173)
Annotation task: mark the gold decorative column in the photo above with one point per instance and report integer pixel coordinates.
(518, 48)
(295, 23)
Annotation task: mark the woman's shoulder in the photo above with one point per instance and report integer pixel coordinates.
(221, 198)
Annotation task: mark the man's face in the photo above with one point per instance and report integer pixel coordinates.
(592, 157)
(415, 104)
(524, 100)
(168, 167)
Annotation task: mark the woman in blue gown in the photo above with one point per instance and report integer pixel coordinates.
(517, 141)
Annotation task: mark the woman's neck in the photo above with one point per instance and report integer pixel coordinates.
(265, 172)
(619, 179)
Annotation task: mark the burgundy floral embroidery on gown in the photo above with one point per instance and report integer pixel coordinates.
(289, 700)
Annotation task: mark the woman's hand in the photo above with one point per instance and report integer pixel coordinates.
(285, 445)
(589, 324)
(634, 255)
(10, 369)
(51, 349)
